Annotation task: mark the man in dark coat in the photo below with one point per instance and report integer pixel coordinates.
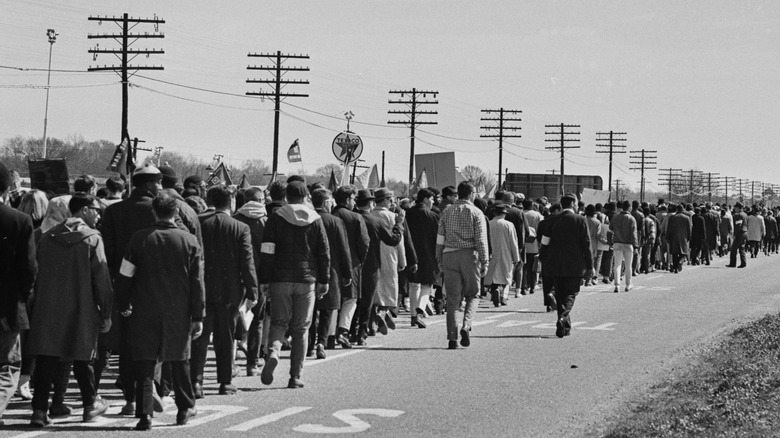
(18, 268)
(120, 222)
(73, 300)
(357, 236)
(187, 215)
(254, 215)
(160, 292)
(423, 226)
(699, 238)
(678, 234)
(712, 219)
(295, 256)
(568, 258)
(340, 272)
(377, 233)
(230, 278)
(740, 237)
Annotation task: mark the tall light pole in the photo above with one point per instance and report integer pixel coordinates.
(52, 39)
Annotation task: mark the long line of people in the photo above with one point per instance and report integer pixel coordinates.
(158, 274)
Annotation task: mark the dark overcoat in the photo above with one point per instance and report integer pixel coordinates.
(678, 233)
(73, 294)
(699, 231)
(357, 237)
(228, 258)
(18, 267)
(340, 261)
(712, 220)
(565, 247)
(161, 280)
(423, 226)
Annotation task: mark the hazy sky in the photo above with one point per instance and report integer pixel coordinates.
(695, 80)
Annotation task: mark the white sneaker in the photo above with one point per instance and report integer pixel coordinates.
(24, 390)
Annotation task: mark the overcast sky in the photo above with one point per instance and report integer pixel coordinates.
(695, 80)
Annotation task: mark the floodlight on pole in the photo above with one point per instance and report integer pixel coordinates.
(52, 35)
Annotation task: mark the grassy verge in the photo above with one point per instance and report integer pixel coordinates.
(732, 389)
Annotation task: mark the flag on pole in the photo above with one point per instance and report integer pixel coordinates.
(420, 183)
(490, 191)
(119, 159)
(244, 184)
(368, 179)
(294, 153)
(333, 183)
(219, 176)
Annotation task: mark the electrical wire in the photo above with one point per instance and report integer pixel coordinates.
(142, 87)
(43, 87)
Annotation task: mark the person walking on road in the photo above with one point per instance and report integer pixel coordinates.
(462, 253)
(230, 278)
(423, 225)
(679, 228)
(625, 238)
(505, 254)
(295, 256)
(567, 257)
(740, 220)
(161, 294)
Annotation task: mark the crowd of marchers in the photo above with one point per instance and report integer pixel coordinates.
(157, 273)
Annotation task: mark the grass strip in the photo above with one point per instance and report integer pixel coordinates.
(728, 390)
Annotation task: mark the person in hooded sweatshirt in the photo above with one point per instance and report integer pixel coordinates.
(254, 215)
(73, 302)
(295, 256)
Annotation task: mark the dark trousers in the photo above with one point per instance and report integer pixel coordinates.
(254, 336)
(221, 321)
(126, 372)
(738, 246)
(144, 385)
(548, 284)
(566, 290)
(49, 372)
(320, 324)
(531, 277)
(677, 261)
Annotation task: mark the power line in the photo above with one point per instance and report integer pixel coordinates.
(502, 125)
(417, 98)
(560, 136)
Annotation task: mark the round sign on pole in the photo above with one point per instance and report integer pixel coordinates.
(347, 147)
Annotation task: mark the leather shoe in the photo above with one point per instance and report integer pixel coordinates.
(731, 266)
(267, 377)
(253, 370)
(559, 330)
(465, 340)
(39, 418)
(320, 351)
(95, 410)
(184, 415)
(381, 325)
(129, 407)
(342, 340)
(389, 321)
(453, 345)
(59, 410)
(310, 353)
(227, 389)
(144, 423)
(295, 383)
(550, 309)
(420, 313)
(742, 266)
(417, 322)
(331, 343)
(197, 388)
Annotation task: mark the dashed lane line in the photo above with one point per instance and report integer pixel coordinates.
(267, 419)
(330, 357)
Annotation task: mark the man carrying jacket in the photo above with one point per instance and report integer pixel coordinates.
(295, 256)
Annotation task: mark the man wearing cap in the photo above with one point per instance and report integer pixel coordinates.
(378, 233)
(230, 278)
(120, 222)
(740, 220)
(568, 258)
(449, 195)
(18, 268)
(296, 256)
(462, 253)
(187, 215)
(393, 260)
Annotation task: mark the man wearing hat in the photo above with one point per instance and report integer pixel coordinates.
(295, 255)
(120, 222)
(393, 260)
(378, 233)
(187, 215)
(740, 220)
(567, 258)
(505, 253)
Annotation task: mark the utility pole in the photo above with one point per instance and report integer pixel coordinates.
(52, 35)
(560, 137)
(278, 70)
(552, 171)
(501, 127)
(669, 177)
(613, 142)
(645, 162)
(617, 189)
(416, 99)
(709, 185)
(691, 174)
(726, 188)
(741, 185)
(753, 192)
(383, 171)
(125, 54)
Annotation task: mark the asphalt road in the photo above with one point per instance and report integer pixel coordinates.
(517, 379)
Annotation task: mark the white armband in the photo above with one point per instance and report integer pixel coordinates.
(439, 239)
(127, 269)
(268, 248)
(545, 240)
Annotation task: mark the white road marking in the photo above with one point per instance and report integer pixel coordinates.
(221, 411)
(267, 419)
(483, 322)
(311, 362)
(506, 324)
(605, 326)
(348, 416)
(551, 325)
(653, 277)
(501, 315)
(438, 321)
(29, 434)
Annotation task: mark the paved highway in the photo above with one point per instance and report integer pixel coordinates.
(516, 379)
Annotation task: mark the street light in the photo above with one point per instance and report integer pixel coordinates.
(52, 39)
